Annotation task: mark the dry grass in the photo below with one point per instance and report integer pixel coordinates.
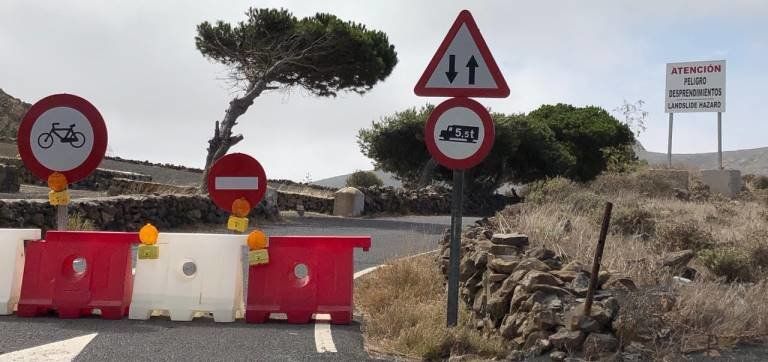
(730, 237)
(404, 306)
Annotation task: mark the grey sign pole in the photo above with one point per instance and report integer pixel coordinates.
(720, 139)
(61, 217)
(453, 266)
(669, 141)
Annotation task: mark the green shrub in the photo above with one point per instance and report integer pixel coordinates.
(363, 179)
(682, 235)
(732, 264)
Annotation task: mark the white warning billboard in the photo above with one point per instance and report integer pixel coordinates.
(695, 87)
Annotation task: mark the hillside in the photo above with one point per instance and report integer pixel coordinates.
(754, 161)
(341, 180)
(11, 112)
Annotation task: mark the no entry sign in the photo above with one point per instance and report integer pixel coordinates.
(459, 133)
(234, 176)
(62, 133)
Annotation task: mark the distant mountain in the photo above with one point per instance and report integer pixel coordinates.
(341, 181)
(11, 112)
(754, 161)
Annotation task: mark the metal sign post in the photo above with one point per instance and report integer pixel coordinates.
(720, 139)
(460, 133)
(61, 217)
(453, 266)
(669, 142)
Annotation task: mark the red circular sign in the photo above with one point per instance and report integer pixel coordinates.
(62, 133)
(234, 176)
(459, 133)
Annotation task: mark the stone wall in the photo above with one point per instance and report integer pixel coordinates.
(533, 299)
(99, 180)
(430, 200)
(124, 213)
(123, 186)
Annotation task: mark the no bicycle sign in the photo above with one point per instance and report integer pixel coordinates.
(62, 133)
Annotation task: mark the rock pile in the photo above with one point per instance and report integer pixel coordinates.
(532, 298)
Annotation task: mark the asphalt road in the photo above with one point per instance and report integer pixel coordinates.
(202, 339)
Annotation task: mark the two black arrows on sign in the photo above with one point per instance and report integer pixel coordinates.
(452, 73)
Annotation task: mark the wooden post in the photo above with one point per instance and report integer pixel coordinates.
(598, 258)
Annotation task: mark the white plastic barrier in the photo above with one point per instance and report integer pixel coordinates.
(12, 265)
(193, 273)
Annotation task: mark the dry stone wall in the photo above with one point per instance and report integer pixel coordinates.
(532, 298)
(125, 213)
(99, 180)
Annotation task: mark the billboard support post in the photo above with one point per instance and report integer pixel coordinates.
(669, 141)
(719, 139)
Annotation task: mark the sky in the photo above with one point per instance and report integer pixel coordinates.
(136, 61)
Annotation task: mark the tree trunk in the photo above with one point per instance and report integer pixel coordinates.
(427, 172)
(222, 139)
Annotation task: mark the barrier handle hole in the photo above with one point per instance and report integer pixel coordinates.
(79, 266)
(189, 268)
(301, 272)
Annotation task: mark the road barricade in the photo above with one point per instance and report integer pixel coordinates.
(305, 275)
(12, 265)
(191, 273)
(75, 272)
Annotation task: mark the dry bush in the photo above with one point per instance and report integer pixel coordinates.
(78, 222)
(730, 237)
(759, 182)
(674, 235)
(404, 307)
(633, 219)
(728, 313)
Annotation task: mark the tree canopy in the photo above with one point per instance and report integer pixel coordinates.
(272, 49)
(322, 53)
(554, 140)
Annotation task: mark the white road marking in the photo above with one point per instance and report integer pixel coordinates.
(323, 337)
(237, 183)
(65, 350)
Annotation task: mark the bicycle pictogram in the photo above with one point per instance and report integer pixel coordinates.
(75, 139)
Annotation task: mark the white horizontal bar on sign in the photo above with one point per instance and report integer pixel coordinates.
(237, 183)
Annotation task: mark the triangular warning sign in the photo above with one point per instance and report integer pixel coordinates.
(462, 66)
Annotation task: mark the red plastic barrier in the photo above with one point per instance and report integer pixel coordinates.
(51, 280)
(326, 288)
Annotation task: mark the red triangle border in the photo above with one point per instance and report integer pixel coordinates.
(501, 90)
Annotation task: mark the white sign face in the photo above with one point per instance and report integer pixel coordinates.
(462, 65)
(61, 138)
(459, 133)
(695, 87)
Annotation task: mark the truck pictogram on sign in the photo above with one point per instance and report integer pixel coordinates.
(457, 133)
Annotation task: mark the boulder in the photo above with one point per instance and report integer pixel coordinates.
(535, 277)
(567, 340)
(495, 278)
(504, 250)
(518, 240)
(532, 264)
(580, 284)
(541, 253)
(503, 265)
(575, 266)
(558, 356)
(598, 343)
(348, 201)
(677, 259)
